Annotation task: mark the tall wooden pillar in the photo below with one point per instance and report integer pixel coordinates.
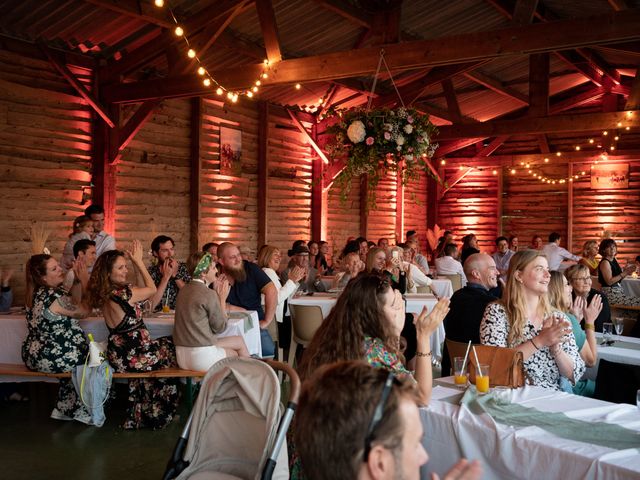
(399, 207)
(263, 171)
(364, 206)
(194, 177)
(318, 197)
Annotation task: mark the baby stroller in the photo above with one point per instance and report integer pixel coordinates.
(236, 430)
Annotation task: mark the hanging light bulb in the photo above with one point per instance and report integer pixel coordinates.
(558, 154)
(229, 95)
(443, 162)
(616, 138)
(577, 148)
(513, 171)
(605, 133)
(219, 91)
(258, 83)
(255, 89)
(191, 53)
(249, 94)
(159, 3)
(495, 172)
(201, 71)
(265, 75)
(206, 82)
(591, 140)
(178, 31)
(298, 86)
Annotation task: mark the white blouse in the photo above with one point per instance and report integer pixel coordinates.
(284, 292)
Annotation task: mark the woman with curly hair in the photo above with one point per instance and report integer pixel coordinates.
(523, 319)
(55, 342)
(152, 402)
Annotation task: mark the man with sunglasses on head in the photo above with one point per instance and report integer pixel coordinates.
(358, 422)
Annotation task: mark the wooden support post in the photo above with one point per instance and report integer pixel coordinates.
(499, 203)
(364, 210)
(432, 202)
(318, 197)
(570, 209)
(399, 207)
(539, 85)
(195, 170)
(263, 138)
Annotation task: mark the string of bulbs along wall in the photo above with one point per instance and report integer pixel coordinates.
(592, 146)
(208, 79)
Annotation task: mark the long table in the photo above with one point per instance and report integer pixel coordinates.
(414, 304)
(453, 431)
(13, 331)
(624, 350)
(631, 286)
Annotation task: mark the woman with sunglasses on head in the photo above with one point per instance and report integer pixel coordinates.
(200, 317)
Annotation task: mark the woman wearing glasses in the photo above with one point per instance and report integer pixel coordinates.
(580, 280)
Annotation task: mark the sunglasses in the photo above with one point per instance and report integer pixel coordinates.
(378, 413)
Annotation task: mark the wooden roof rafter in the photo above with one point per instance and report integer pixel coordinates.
(269, 28)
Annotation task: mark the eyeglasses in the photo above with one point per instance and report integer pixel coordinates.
(377, 414)
(582, 279)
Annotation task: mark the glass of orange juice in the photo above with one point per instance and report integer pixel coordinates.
(460, 376)
(482, 379)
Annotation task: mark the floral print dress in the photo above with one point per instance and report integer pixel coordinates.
(152, 402)
(55, 344)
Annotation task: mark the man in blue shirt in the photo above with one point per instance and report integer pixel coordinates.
(248, 282)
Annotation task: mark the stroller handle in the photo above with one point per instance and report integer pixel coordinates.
(293, 377)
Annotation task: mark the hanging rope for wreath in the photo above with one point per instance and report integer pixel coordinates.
(375, 141)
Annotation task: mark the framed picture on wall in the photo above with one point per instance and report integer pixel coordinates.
(230, 151)
(610, 175)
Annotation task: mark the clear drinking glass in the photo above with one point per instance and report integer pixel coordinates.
(607, 331)
(460, 373)
(618, 323)
(638, 398)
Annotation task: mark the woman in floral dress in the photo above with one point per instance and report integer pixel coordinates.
(55, 342)
(365, 324)
(152, 402)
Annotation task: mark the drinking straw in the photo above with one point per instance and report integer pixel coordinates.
(477, 361)
(466, 355)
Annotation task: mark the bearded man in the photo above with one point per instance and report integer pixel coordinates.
(248, 282)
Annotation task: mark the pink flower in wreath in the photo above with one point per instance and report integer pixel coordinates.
(409, 119)
(369, 141)
(387, 136)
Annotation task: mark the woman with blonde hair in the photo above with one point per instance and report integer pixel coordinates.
(589, 252)
(575, 311)
(269, 260)
(523, 320)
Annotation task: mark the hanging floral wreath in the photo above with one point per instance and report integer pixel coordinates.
(377, 141)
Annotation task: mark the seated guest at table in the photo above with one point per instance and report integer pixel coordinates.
(448, 265)
(104, 241)
(589, 252)
(151, 402)
(469, 247)
(576, 310)
(314, 250)
(513, 243)
(383, 243)
(248, 284)
(414, 274)
(555, 253)
(211, 248)
(377, 262)
(200, 317)
(462, 323)
(357, 422)
(443, 241)
(55, 342)
(536, 243)
(82, 230)
(321, 263)
(610, 274)
(580, 280)
(419, 259)
(6, 294)
(83, 251)
(523, 320)
(311, 281)
(351, 246)
(352, 266)
(169, 275)
(363, 248)
(502, 257)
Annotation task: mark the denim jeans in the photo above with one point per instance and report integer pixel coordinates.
(268, 347)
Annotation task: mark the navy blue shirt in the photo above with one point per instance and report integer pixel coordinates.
(247, 294)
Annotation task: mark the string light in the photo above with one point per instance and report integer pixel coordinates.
(443, 162)
(159, 3)
(201, 71)
(179, 31)
(298, 86)
(191, 53)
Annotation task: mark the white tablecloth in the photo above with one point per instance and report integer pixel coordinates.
(442, 287)
(618, 352)
(631, 286)
(452, 432)
(13, 331)
(415, 302)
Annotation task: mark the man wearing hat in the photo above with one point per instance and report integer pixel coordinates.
(311, 282)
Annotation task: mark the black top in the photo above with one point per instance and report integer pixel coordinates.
(466, 253)
(462, 323)
(615, 270)
(247, 294)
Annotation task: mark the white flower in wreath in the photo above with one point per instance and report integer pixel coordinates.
(388, 127)
(408, 158)
(408, 128)
(402, 112)
(400, 140)
(356, 131)
(425, 139)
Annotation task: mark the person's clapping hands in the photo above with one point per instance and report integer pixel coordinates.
(296, 274)
(81, 271)
(592, 311)
(222, 288)
(5, 276)
(426, 323)
(578, 306)
(134, 252)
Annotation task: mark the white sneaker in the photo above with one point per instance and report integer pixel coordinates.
(58, 415)
(83, 416)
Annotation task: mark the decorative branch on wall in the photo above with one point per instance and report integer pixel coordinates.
(230, 151)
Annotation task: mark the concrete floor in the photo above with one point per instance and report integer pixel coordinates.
(33, 446)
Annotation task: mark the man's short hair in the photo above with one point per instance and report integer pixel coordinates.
(450, 249)
(334, 415)
(207, 246)
(93, 208)
(360, 240)
(500, 239)
(159, 240)
(553, 237)
(410, 233)
(82, 245)
(223, 247)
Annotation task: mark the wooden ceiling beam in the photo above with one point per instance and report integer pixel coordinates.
(618, 5)
(496, 85)
(441, 113)
(354, 15)
(310, 139)
(127, 132)
(30, 49)
(538, 85)
(576, 100)
(452, 101)
(269, 27)
(456, 49)
(544, 143)
(633, 101)
(140, 10)
(455, 145)
(537, 125)
(524, 11)
(493, 146)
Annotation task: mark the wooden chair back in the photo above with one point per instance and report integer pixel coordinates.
(456, 280)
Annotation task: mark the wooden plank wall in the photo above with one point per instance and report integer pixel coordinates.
(471, 207)
(381, 222)
(229, 203)
(616, 212)
(531, 207)
(415, 209)
(45, 146)
(152, 195)
(343, 218)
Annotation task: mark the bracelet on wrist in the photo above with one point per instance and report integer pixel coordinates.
(423, 354)
(534, 344)
(589, 326)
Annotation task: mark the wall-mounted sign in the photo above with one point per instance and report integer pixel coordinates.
(610, 176)
(230, 151)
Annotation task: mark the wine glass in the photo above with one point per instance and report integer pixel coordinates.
(618, 323)
(638, 398)
(607, 332)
